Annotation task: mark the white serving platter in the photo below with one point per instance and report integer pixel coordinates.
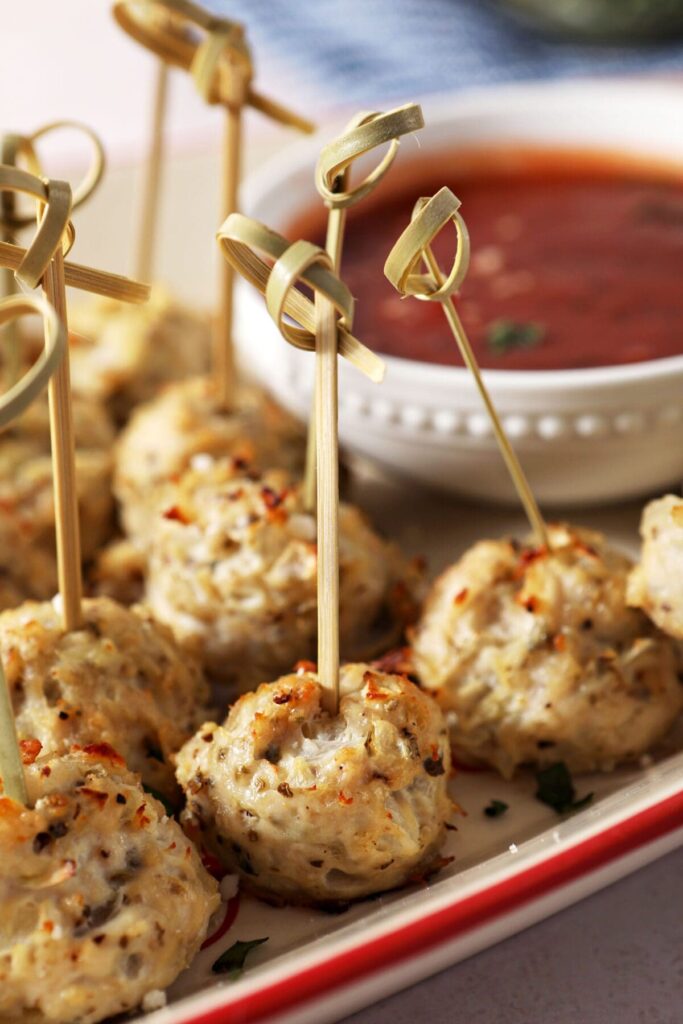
(507, 873)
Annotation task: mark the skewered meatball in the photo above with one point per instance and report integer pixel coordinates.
(538, 659)
(122, 354)
(104, 900)
(27, 520)
(186, 420)
(120, 679)
(656, 583)
(317, 808)
(232, 570)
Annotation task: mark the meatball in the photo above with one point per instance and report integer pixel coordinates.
(232, 569)
(186, 420)
(537, 659)
(119, 679)
(27, 520)
(122, 354)
(322, 809)
(104, 900)
(656, 583)
(118, 572)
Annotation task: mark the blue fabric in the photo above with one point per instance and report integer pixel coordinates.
(357, 49)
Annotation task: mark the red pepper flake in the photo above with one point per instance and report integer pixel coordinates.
(239, 463)
(529, 603)
(213, 865)
(585, 549)
(97, 795)
(303, 667)
(176, 514)
(29, 750)
(48, 926)
(277, 515)
(346, 800)
(527, 557)
(461, 596)
(271, 499)
(46, 772)
(141, 818)
(373, 692)
(282, 698)
(560, 642)
(231, 908)
(102, 751)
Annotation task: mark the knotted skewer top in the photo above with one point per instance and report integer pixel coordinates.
(245, 242)
(402, 269)
(55, 229)
(220, 62)
(15, 147)
(367, 131)
(430, 216)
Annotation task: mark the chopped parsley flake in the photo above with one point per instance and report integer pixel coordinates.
(556, 789)
(232, 960)
(505, 335)
(495, 809)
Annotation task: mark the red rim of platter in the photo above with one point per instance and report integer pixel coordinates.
(456, 919)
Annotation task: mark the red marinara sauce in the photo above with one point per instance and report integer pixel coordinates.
(577, 259)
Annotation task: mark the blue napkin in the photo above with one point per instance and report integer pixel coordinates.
(354, 51)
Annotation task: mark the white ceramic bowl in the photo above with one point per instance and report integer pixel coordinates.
(584, 436)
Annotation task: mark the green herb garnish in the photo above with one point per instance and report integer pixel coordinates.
(556, 789)
(504, 335)
(495, 809)
(232, 961)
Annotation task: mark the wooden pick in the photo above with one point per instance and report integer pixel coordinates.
(12, 404)
(245, 242)
(412, 249)
(152, 175)
(17, 148)
(221, 66)
(365, 132)
(43, 262)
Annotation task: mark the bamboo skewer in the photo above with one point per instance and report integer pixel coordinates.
(324, 328)
(153, 169)
(413, 247)
(223, 352)
(327, 472)
(85, 279)
(43, 262)
(64, 462)
(12, 404)
(364, 133)
(221, 66)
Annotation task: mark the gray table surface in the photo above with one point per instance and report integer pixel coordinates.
(615, 957)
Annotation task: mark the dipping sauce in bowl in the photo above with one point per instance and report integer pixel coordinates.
(577, 259)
